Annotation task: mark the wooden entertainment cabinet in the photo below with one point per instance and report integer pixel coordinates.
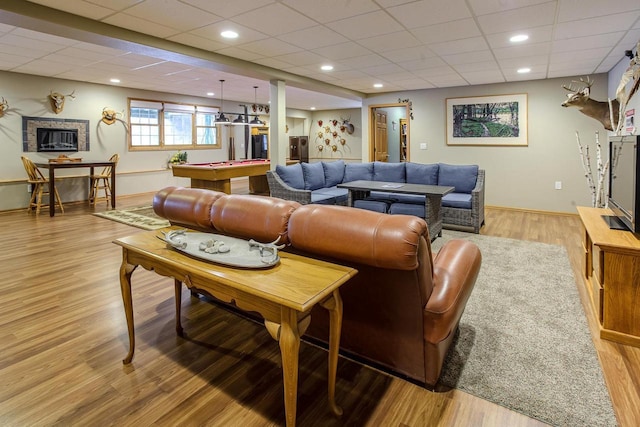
(611, 269)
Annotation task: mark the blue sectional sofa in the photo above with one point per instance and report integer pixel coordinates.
(317, 183)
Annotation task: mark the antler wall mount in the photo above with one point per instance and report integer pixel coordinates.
(4, 106)
(57, 100)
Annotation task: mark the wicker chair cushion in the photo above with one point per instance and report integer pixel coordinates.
(457, 200)
(371, 205)
(462, 177)
(422, 174)
(389, 172)
(313, 175)
(333, 172)
(291, 175)
(407, 209)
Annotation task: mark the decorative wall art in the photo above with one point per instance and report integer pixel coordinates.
(497, 120)
(109, 115)
(4, 106)
(331, 137)
(57, 100)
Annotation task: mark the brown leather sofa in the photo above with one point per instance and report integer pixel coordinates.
(402, 309)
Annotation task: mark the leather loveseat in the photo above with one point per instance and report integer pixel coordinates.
(317, 183)
(400, 312)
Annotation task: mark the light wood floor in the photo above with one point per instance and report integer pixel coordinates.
(63, 336)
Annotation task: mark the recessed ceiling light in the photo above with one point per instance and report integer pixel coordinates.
(115, 80)
(312, 108)
(326, 67)
(519, 38)
(229, 34)
(210, 93)
(524, 70)
(377, 85)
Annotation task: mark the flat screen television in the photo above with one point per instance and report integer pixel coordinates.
(624, 187)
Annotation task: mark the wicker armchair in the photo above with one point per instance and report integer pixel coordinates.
(279, 188)
(474, 217)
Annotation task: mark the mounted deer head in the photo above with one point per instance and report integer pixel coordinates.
(348, 126)
(4, 106)
(109, 115)
(57, 100)
(579, 98)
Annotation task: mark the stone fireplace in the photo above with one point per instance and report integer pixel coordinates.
(41, 134)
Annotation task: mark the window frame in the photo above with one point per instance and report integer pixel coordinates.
(165, 106)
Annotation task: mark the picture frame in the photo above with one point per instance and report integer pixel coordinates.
(494, 120)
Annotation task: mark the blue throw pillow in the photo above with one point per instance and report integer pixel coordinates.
(358, 171)
(313, 175)
(333, 172)
(291, 175)
(418, 173)
(462, 177)
(390, 172)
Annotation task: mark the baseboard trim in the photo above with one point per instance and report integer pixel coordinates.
(536, 211)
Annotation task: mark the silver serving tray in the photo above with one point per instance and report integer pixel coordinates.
(242, 253)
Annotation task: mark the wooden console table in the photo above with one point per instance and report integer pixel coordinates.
(284, 295)
(611, 269)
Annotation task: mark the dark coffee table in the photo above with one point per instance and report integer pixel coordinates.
(433, 201)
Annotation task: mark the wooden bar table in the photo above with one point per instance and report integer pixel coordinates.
(52, 166)
(283, 294)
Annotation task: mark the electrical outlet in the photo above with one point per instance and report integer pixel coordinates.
(423, 145)
(558, 185)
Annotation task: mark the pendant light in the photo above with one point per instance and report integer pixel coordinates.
(239, 120)
(256, 121)
(221, 119)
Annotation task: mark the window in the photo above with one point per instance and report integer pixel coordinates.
(163, 125)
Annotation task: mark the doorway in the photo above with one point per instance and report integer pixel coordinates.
(389, 131)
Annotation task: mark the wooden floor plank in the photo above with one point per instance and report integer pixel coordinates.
(63, 337)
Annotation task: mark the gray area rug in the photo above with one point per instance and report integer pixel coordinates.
(524, 342)
(142, 217)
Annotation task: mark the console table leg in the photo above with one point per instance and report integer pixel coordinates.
(178, 289)
(334, 305)
(126, 270)
(289, 348)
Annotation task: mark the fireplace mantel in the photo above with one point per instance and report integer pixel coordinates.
(30, 127)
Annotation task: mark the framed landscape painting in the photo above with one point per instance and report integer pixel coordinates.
(498, 120)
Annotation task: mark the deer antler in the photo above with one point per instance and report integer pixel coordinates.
(72, 94)
(584, 84)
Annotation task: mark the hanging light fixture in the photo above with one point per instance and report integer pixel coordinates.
(221, 119)
(239, 120)
(255, 121)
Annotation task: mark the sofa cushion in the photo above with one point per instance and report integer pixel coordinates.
(462, 177)
(340, 195)
(389, 172)
(457, 200)
(398, 197)
(407, 209)
(291, 175)
(418, 173)
(371, 205)
(322, 199)
(333, 172)
(313, 175)
(358, 171)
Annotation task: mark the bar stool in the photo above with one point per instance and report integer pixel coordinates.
(102, 181)
(38, 182)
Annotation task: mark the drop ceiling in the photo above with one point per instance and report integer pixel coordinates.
(175, 45)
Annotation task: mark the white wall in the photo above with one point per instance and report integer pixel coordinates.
(518, 177)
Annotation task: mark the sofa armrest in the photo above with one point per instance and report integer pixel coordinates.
(455, 271)
(186, 207)
(280, 189)
(477, 202)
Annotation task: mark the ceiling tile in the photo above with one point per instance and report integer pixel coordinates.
(189, 39)
(483, 77)
(454, 30)
(173, 14)
(427, 12)
(484, 7)
(364, 26)
(583, 43)
(88, 10)
(593, 26)
(44, 68)
(478, 56)
(312, 38)
(448, 80)
(459, 46)
(571, 11)
(236, 52)
(280, 20)
(536, 35)
(331, 10)
(140, 25)
(360, 62)
(522, 51)
(516, 19)
(477, 66)
(269, 47)
(387, 42)
(212, 32)
(342, 51)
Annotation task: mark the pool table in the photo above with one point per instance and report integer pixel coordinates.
(217, 176)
